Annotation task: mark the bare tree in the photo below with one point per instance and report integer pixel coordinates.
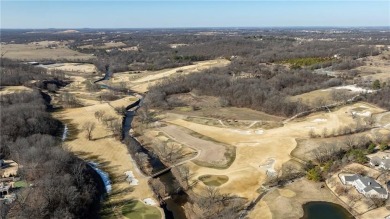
(89, 127)
(370, 120)
(99, 114)
(185, 177)
(350, 141)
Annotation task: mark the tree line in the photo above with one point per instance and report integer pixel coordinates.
(59, 185)
(268, 90)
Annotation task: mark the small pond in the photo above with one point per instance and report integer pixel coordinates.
(325, 210)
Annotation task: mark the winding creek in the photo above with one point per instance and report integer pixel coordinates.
(172, 205)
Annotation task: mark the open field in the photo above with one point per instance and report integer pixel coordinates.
(209, 152)
(40, 51)
(228, 114)
(287, 202)
(324, 96)
(254, 149)
(72, 67)
(138, 210)
(13, 89)
(150, 78)
(376, 68)
(213, 180)
(105, 46)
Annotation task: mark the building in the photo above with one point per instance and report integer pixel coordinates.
(383, 163)
(365, 185)
(4, 189)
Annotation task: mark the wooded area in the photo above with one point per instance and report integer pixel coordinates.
(59, 185)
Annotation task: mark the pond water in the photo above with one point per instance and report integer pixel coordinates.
(325, 210)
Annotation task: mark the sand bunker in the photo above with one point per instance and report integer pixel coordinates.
(259, 132)
(268, 166)
(354, 88)
(365, 114)
(320, 120)
(149, 201)
(131, 178)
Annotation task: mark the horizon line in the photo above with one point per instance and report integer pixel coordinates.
(205, 27)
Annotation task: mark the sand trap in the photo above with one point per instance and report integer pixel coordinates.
(243, 132)
(149, 201)
(365, 114)
(268, 166)
(320, 120)
(354, 88)
(286, 193)
(259, 132)
(131, 178)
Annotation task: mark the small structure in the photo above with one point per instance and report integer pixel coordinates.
(10, 168)
(4, 189)
(383, 163)
(365, 185)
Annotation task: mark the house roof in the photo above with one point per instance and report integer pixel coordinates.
(375, 159)
(351, 178)
(386, 163)
(370, 184)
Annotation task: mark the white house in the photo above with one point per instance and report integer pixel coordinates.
(365, 185)
(383, 163)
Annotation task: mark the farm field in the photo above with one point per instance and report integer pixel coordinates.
(40, 51)
(150, 78)
(104, 46)
(72, 67)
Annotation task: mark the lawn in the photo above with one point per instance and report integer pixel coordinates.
(138, 210)
(20, 184)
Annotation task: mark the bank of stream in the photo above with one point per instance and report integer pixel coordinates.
(171, 205)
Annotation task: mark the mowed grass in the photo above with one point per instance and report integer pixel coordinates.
(138, 210)
(20, 184)
(213, 180)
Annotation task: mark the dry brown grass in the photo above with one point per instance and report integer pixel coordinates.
(73, 67)
(13, 89)
(147, 79)
(287, 203)
(105, 46)
(361, 204)
(39, 51)
(209, 152)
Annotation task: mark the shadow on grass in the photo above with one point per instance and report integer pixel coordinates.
(104, 137)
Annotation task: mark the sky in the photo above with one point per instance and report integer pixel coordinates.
(185, 13)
